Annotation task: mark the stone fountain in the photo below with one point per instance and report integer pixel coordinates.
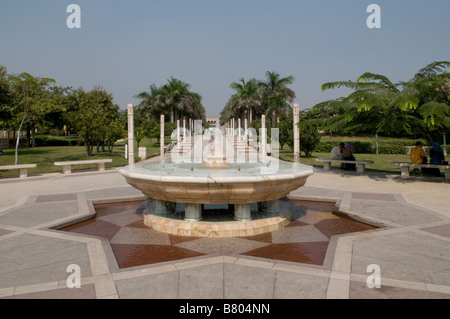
(215, 173)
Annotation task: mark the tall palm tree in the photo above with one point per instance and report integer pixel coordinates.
(276, 94)
(247, 100)
(174, 99)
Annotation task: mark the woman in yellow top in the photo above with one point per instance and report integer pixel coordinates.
(417, 155)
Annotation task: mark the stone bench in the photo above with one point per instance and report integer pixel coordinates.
(405, 167)
(67, 165)
(23, 169)
(360, 165)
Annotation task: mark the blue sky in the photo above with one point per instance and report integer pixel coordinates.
(125, 46)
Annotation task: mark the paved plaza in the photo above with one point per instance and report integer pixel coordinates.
(408, 240)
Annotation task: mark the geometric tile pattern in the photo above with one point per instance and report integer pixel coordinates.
(304, 240)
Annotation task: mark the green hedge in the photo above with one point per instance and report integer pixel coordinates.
(365, 147)
(360, 147)
(391, 149)
(42, 140)
(324, 147)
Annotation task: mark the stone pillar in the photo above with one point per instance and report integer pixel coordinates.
(296, 134)
(178, 131)
(193, 212)
(239, 129)
(242, 212)
(445, 144)
(245, 131)
(184, 129)
(130, 135)
(162, 137)
(263, 137)
(161, 207)
(272, 207)
(198, 142)
(142, 153)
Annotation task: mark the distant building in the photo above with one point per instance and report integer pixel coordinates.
(211, 121)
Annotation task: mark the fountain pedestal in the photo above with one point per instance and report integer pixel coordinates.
(217, 179)
(242, 212)
(193, 212)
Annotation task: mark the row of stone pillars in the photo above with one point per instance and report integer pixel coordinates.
(130, 147)
(242, 212)
(231, 125)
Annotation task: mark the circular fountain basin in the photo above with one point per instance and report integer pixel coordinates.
(233, 184)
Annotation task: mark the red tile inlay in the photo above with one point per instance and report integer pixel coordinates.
(309, 253)
(180, 239)
(94, 227)
(137, 255)
(265, 238)
(296, 223)
(343, 225)
(131, 255)
(106, 209)
(138, 224)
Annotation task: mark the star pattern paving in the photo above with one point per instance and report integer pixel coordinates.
(304, 240)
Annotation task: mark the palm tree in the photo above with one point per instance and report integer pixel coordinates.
(276, 94)
(173, 99)
(246, 101)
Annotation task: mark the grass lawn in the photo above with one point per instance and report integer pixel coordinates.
(45, 156)
(370, 139)
(382, 162)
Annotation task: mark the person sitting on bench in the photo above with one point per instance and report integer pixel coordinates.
(348, 156)
(417, 156)
(436, 158)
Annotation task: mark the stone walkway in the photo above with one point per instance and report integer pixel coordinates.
(411, 249)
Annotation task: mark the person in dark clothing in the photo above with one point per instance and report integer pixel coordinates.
(436, 158)
(348, 156)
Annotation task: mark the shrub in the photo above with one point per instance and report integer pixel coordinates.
(55, 142)
(391, 149)
(324, 146)
(40, 140)
(363, 147)
(309, 139)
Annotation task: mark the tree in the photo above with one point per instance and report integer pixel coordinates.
(246, 102)
(286, 131)
(270, 97)
(425, 99)
(276, 95)
(115, 130)
(174, 99)
(331, 116)
(310, 138)
(139, 134)
(89, 115)
(419, 105)
(5, 103)
(31, 98)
